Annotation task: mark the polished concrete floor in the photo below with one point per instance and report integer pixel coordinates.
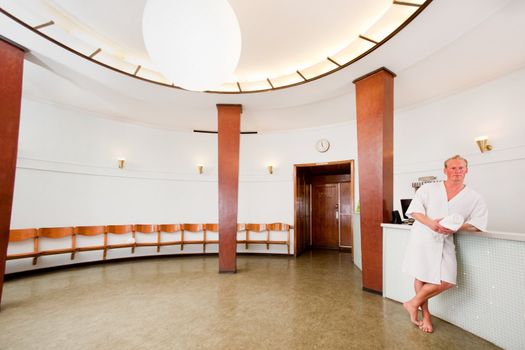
(313, 302)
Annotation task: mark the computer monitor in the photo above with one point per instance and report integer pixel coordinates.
(404, 206)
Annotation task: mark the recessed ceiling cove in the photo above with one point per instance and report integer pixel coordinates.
(284, 43)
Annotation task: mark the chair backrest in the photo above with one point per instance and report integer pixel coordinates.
(90, 230)
(119, 229)
(18, 235)
(212, 227)
(278, 226)
(149, 228)
(170, 228)
(241, 227)
(193, 227)
(55, 232)
(255, 227)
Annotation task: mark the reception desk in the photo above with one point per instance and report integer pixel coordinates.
(489, 299)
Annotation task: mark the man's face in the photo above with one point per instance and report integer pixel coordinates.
(456, 170)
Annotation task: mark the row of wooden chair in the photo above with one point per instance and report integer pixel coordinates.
(18, 235)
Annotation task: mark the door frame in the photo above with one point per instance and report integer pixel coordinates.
(311, 165)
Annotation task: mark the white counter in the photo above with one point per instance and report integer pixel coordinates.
(510, 236)
(489, 299)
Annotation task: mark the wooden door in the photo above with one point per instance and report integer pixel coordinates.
(325, 225)
(345, 214)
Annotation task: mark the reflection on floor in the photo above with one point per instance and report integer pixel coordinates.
(312, 302)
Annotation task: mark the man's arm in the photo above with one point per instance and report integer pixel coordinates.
(469, 227)
(477, 220)
(432, 224)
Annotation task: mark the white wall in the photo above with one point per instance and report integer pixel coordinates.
(67, 170)
(427, 134)
(67, 175)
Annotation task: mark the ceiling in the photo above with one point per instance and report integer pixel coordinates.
(448, 47)
(282, 45)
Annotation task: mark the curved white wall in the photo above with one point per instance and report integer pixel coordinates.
(67, 175)
(67, 170)
(425, 135)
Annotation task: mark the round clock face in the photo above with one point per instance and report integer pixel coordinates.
(322, 145)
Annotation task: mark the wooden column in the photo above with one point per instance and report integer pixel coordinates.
(375, 115)
(11, 67)
(229, 140)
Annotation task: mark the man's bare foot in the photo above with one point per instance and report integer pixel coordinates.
(426, 325)
(412, 311)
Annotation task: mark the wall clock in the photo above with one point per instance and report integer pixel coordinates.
(322, 145)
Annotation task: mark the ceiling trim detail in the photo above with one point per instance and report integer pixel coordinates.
(302, 76)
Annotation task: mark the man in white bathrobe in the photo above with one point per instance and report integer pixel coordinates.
(431, 256)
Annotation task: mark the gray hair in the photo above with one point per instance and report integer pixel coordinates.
(457, 156)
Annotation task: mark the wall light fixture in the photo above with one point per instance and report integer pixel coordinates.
(200, 168)
(483, 144)
(121, 162)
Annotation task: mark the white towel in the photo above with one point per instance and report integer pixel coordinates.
(452, 222)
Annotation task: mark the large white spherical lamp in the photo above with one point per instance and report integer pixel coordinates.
(196, 44)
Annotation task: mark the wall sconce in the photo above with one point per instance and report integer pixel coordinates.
(200, 168)
(121, 162)
(483, 144)
(270, 168)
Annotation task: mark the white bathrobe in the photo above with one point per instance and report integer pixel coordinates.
(430, 256)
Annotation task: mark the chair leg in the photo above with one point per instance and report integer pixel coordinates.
(204, 241)
(288, 241)
(35, 250)
(158, 242)
(268, 240)
(246, 242)
(73, 246)
(182, 240)
(105, 245)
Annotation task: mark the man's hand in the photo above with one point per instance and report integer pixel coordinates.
(469, 227)
(435, 226)
(432, 224)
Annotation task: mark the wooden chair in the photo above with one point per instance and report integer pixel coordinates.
(119, 230)
(241, 233)
(89, 231)
(256, 228)
(210, 228)
(192, 228)
(148, 229)
(281, 228)
(19, 235)
(169, 228)
(57, 233)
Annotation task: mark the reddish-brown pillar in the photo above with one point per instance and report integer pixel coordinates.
(229, 141)
(11, 66)
(375, 116)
